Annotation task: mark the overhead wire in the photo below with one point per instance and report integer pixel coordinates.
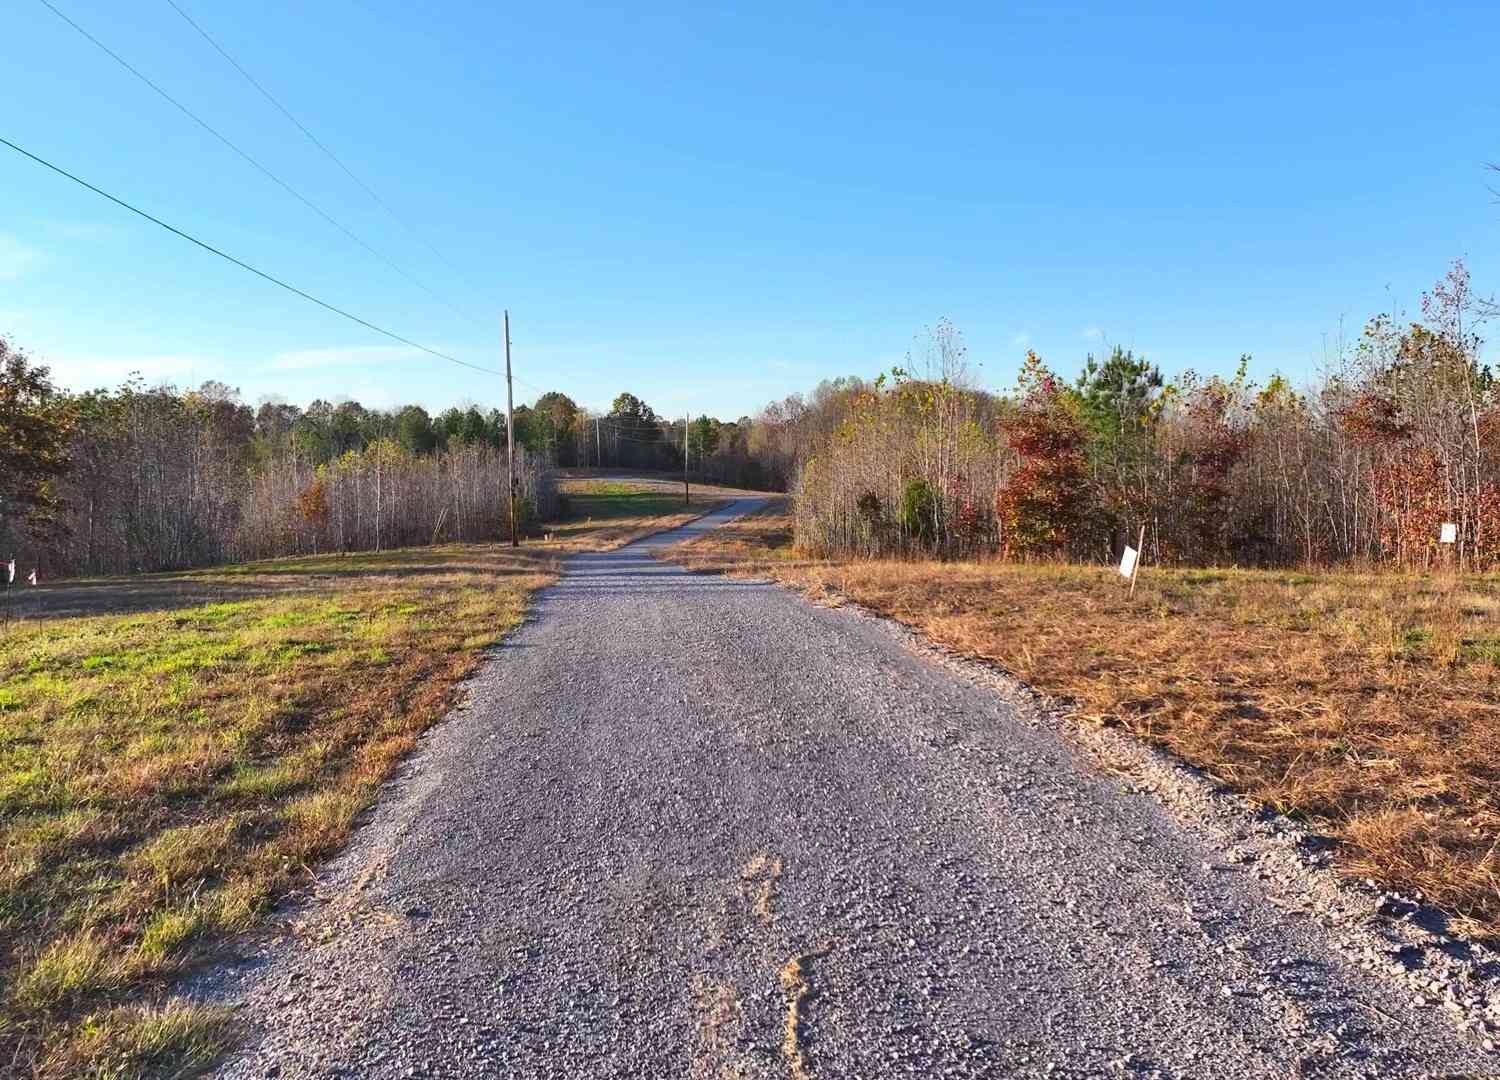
(617, 437)
(206, 126)
(634, 438)
(365, 187)
(244, 265)
(642, 437)
(609, 418)
(264, 170)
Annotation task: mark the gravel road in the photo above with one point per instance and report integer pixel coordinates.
(691, 826)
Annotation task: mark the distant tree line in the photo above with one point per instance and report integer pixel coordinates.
(633, 435)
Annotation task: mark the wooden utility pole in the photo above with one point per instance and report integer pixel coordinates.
(686, 498)
(510, 436)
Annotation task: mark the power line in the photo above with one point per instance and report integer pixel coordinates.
(368, 190)
(206, 126)
(639, 441)
(664, 439)
(663, 426)
(611, 418)
(242, 264)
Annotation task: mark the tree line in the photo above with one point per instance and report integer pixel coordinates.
(144, 478)
(1400, 435)
(632, 435)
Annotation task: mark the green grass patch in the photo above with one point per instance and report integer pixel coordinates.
(623, 504)
(165, 775)
(134, 1042)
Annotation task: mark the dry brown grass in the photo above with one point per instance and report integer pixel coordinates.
(1365, 703)
(167, 774)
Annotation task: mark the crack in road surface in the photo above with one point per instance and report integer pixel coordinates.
(665, 784)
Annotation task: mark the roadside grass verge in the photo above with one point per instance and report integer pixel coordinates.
(1367, 704)
(167, 773)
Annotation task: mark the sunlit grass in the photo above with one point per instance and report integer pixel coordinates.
(137, 1041)
(604, 500)
(166, 775)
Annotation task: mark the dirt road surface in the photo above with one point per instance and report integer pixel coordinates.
(691, 826)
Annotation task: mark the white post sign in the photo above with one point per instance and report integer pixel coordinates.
(1130, 561)
(1448, 534)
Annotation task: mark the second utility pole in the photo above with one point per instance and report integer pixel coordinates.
(686, 498)
(510, 436)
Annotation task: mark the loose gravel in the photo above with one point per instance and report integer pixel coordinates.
(694, 826)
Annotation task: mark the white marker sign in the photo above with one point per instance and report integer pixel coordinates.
(1127, 561)
(1449, 533)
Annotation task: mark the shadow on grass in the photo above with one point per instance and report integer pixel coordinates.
(164, 592)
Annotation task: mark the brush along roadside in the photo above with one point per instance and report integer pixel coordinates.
(180, 750)
(1366, 704)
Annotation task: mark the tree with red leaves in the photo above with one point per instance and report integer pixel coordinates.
(1045, 500)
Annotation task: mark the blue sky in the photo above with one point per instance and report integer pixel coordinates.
(715, 207)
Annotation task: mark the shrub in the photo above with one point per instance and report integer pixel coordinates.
(919, 511)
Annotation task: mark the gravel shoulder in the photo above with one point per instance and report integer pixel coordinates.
(688, 825)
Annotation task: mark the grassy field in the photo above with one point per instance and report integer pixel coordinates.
(609, 500)
(178, 751)
(1366, 704)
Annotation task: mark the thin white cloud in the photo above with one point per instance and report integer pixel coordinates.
(374, 395)
(344, 356)
(1093, 333)
(89, 230)
(91, 372)
(16, 258)
(1021, 340)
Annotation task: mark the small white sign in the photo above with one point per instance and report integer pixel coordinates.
(1449, 533)
(1127, 561)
